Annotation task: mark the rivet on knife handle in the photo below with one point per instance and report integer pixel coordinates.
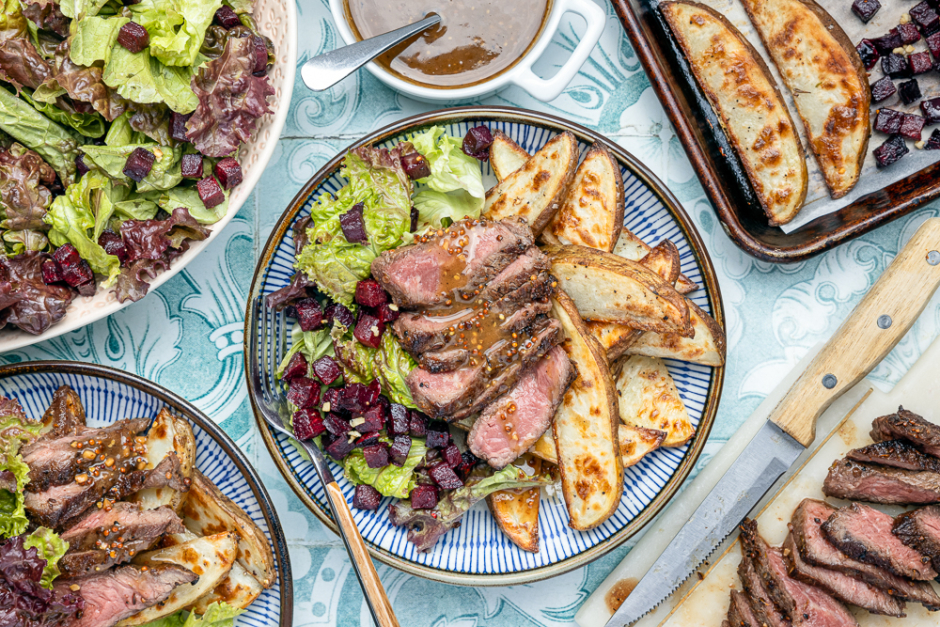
(876, 325)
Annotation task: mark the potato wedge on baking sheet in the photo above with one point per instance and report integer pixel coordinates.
(585, 426)
(609, 288)
(168, 433)
(517, 511)
(506, 156)
(537, 190)
(648, 398)
(706, 346)
(631, 247)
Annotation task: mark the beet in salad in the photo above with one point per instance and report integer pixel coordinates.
(120, 130)
(415, 314)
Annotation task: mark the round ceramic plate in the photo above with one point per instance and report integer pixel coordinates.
(109, 395)
(277, 19)
(477, 553)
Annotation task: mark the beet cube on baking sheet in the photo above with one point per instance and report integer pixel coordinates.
(933, 142)
(228, 172)
(307, 424)
(451, 456)
(210, 192)
(909, 34)
(424, 497)
(303, 393)
(398, 453)
(444, 476)
(370, 294)
(868, 53)
(896, 65)
(296, 367)
(438, 434)
(865, 9)
(417, 424)
(931, 110)
(416, 166)
(912, 126)
(921, 62)
(890, 151)
(933, 44)
(138, 164)
(376, 455)
(888, 121)
(326, 370)
(909, 91)
(133, 37)
(882, 89)
(925, 17)
(191, 166)
(309, 314)
(887, 43)
(51, 272)
(366, 497)
(398, 419)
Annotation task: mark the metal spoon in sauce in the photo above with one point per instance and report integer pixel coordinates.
(325, 70)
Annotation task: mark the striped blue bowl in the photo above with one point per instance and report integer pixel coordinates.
(109, 395)
(477, 553)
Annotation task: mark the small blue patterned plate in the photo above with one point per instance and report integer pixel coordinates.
(109, 395)
(477, 553)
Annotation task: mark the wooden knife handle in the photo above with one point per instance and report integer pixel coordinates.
(873, 328)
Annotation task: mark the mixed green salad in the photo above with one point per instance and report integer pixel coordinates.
(120, 130)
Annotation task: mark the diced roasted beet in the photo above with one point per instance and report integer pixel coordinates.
(931, 110)
(398, 453)
(890, 151)
(354, 225)
(374, 420)
(912, 126)
(920, 63)
(366, 497)
(67, 255)
(868, 53)
(226, 17)
(889, 42)
(414, 221)
(327, 370)
(376, 455)
(304, 393)
(370, 293)
(331, 399)
(297, 367)
(933, 44)
(925, 17)
(424, 497)
(134, 37)
(52, 273)
(367, 439)
(309, 314)
(308, 424)
(369, 329)
(467, 463)
(335, 424)
(896, 65)
(387, 312)
(909, 34)
(909, 91)
(431, 457)
(888, 120)
(356, 398)
(445, 477)
(81, 169)
(882, 89)
(210, 192)
(88, 288)
(260, 52)
(451, 456)
(865, 9)
(372, 394)
(339, 448)
(191, 166)
(417, 424)
(339, 314)
(416, 166)
(139, 163)
(113, 244)
(228, 172)
(933, 142)
(178, 126)
(397, 420)
(476, 142)
(75, 270)
(438, 434)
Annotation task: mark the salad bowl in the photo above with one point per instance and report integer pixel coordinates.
(477, 553)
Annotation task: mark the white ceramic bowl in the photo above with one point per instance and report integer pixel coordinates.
(276, 19)
(520, 74)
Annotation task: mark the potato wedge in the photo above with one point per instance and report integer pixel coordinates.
(648, 398)
(638, 442)
(592, 214)
(517, 511)
(663, 259)
(506, 156)
(819, 64)
(631, 247)
(706, 346)
(168, 433)
(211, 558)
(585, 426)
(608, 288)
(65, 412)
(744, 96)
(537, 190)
(614, 338)
(206, 510)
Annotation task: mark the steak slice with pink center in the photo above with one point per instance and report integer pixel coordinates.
(908, 426)
(854, 481)
(920, 530)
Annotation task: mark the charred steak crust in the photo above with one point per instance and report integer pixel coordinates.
(757, 595)
(855, 481)
(920, 530)
(896, 454)
(908, 426)
(740, 613)
(65, 414)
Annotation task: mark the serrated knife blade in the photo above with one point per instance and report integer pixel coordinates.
(766, 458)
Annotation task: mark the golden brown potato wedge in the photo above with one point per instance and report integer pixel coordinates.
(648, 398)
(592, 214)
(517, 511)
(706, 347)
(819, 64)
(168, 433)
(631, 247)
(64, 412)
(506, 156)
(537, 190)
(608, 288)
(638, 442)
(663, 259)
(744, 96)
(614, 338)
(585, 426)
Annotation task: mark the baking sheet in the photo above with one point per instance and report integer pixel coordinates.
(818, 202)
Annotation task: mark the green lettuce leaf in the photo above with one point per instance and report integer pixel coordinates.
(93, 39)
(217, 615)
(51, 547)
(436, 207)
(176, 27)
(336, 267)
(392, 365)
(164, 175)
(87, 124)
(188, 197)
(86, 8)
(15, 430)
(139, 77)
(312, 344)
(357, 360)
(55, 144)
(120, 132)
(240, 6)
(391, 480)
(456, 176)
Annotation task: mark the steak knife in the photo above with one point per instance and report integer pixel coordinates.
(873, 328)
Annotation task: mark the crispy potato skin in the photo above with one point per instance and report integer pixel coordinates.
(506, 156)
(743, 94)
(648, 398)
(707, 346)
(638, 442)
(631, 247)
(168, 433)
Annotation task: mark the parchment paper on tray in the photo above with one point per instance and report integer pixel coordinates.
(818, 201)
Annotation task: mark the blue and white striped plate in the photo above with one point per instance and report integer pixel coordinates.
(477, 553)
(109, 395)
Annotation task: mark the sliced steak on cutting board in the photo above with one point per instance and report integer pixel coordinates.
(760, 601)
(920, 530)
(896, 454)
(854, 481)
(908, 426)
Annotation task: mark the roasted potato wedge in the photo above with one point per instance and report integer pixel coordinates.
(614, 338)
(819, 64)
(585, 426)
(506, 156)
(537, 190)
(746, 100)
(648, 398)
(168, 433)
(638, 442)
(592, 214)
(517, 511)
(631, 247)
(64, 413)
(706, 346)
(663, 259)
(206, 510)
(608, 288)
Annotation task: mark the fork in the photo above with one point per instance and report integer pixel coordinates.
(272, 405)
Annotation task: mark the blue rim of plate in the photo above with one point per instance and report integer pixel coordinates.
(647, 486)
(138, 394)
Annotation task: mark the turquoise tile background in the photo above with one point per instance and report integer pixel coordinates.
(188, 334)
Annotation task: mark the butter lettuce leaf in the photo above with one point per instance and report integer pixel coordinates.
(164, 175)
(392, 365)
(218, 614)
(176, 27)
(312, 344)
(51, 548)
(77, 8)
(93, 39)
(87, 124)
(455, 188)
(390, 480)
(55, 144)
(188, 197)
(141, 78)
(15, 431)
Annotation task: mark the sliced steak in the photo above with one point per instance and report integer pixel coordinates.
(908, 426)
(516, 420)
(740, 613)
(65, 414)
(855, 481)
(444, 360)
(864, 533)
(896, 454)
(802, 604)
(840, 585)
(113, 595)
(762, 605)
(920, 530)
(532, 266)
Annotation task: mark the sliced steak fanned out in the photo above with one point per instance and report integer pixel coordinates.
(740, 613)
(864, 533)
(65, 414)
(526, 268)
(840, 585)
(896, 454)
(854, 481)
(908, 426)
(920, 530)
(803, 604)
(763, 606)
(516, 420)
(113, 595)
(444, 360)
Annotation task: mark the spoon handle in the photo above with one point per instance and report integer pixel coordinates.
(325, 70)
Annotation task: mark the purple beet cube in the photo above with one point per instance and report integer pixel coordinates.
(451, 455)
(466, 466)
(925, 17)
(477, 141)
(309, 314)
(113, 244)
(416, 166)
(81, 168)
(226, 17)
(354, 225)
(397, 420)
(438, 434)
(933, 44)
(308, 424)
(67, 255)
(890, 151)
(296, 368)
(260, 53)
(868, 53)
(370, 294)
(909, 91)
(445, 477)
(367, 439)
(139, 163)
(887, 43)
(417, 424)
(228, 172)
(210, 192)
(331, 399)
(134, 37)
(178, 127)
(398, 453)
(336, 425)
(912, 126)
(374, 420)
(191, 166)
(920, 62)
(888, 121)
(366, 497)
(424, 497)
(909, 34)
(338, 314)
(372, 394)
(52, 273)
(414, 221)
(369, 329)
(865, 9)
(931, 110)
(896, 65)
(882, 89)
(376, 455)
(303, 393)
(327, 370)
(339, 448)
(75, 270)
(88, 288)
(933, 142)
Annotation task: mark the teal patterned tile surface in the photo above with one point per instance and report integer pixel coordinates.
(188, 334)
